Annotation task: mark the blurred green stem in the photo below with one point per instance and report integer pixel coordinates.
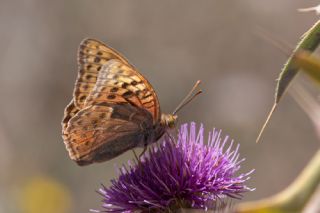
(309, 63)
(292, 199)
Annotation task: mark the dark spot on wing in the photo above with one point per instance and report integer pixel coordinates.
(88, 77)
(133, 83)
(97, 59)
(114, 89)
(127, 94)
(111, 96)
(124, 85)
(82, 98)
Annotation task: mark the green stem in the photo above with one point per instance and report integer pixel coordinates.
(292, 199)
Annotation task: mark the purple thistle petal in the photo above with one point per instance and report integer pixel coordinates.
(179, 173)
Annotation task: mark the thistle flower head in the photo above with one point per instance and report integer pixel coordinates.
(179, 173)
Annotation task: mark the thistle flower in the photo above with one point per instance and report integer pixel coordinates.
(184, 173)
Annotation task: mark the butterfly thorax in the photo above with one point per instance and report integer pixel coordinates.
(166, 121)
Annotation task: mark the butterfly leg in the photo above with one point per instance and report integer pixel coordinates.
(171, 137)
(136, 156)
(143, 151)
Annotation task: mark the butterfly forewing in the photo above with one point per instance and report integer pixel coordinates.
(113, 109)
(92, 55)
(118, 83)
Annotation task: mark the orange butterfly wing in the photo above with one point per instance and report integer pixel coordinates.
(119, 83)
(112, 108)
(92, 55)
(101, 132)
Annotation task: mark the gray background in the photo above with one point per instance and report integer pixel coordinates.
(173, 43)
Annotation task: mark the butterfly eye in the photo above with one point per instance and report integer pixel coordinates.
(171, 125)
(172, 121)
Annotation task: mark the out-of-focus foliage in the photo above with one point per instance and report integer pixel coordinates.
(309, 42)
(43, 194)
(310, 64)
(296, 197)
(292, 199)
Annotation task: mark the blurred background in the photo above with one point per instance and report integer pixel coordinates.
(172, 43)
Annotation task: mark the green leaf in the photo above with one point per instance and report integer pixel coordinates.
(310, 41)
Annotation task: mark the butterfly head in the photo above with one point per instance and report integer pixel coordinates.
(169, 120)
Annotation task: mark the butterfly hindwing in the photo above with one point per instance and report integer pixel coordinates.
(101, 132)
(69, 112)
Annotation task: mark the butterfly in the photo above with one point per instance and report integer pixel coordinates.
(114, 108)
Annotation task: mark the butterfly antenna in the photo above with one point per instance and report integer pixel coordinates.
(189, 97)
